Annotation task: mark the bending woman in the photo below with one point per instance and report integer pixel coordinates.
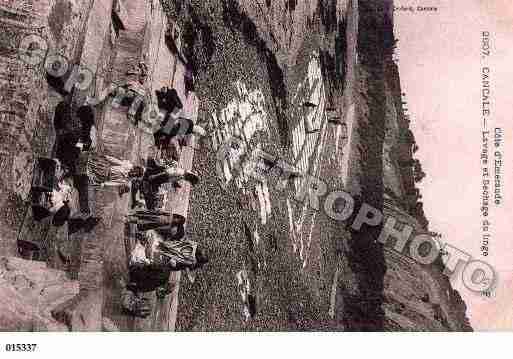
(104, 171)
(151, 262)
(156, 175)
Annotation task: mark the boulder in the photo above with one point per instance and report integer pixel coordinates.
(29, 292)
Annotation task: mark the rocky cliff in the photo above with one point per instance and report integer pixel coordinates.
(311, 86)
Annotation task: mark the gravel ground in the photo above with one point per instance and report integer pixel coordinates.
(227, 46)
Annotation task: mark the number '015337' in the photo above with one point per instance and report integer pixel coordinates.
(20, 347)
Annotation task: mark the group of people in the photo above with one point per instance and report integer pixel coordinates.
(160, 244)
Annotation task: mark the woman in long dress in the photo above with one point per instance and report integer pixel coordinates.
(153, 251)
(156, 175)
(151, 262)
(171, 227)
(104, 170)
(101, 170)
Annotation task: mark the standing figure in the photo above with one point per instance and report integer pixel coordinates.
(151, 262)
(154, 254)
(153, 250)
(75, 131)
(174, 125)
(155, 175)
(170, 227)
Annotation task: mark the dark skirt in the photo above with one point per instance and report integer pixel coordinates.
(160, 222)
(148, 278)
(168, 100)
(100, 170)
(67, 152)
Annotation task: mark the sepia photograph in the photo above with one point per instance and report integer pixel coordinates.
(254, 166)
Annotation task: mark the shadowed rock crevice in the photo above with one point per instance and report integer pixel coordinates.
(366, 258)
(333, 63)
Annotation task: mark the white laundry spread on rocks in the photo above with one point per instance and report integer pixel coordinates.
(307, 148)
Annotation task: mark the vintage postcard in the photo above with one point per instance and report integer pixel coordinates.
(255, 165)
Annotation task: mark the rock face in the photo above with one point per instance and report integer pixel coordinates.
(419, 297)
(311, 86)
(30, 292)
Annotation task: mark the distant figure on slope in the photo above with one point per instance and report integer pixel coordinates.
(189, 80)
